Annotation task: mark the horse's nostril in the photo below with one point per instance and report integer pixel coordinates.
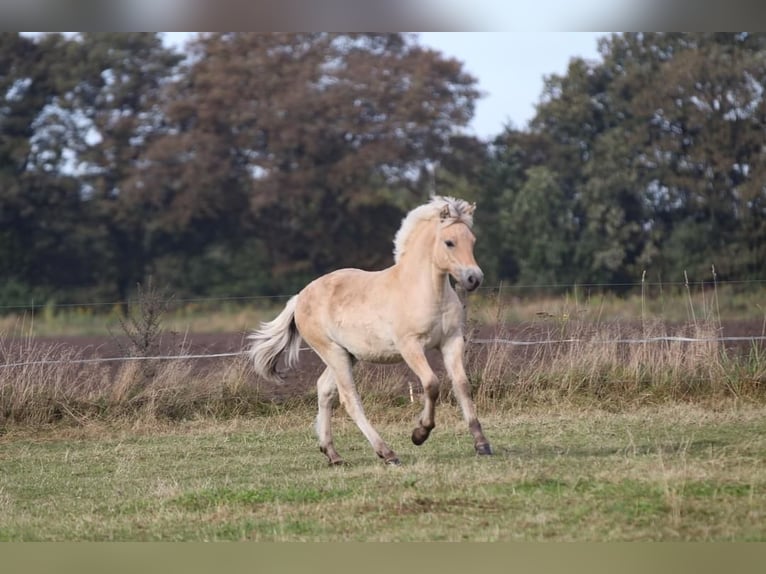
(472, 281)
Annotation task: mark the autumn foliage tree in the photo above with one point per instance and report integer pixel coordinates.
(262, 161)
(301, 150)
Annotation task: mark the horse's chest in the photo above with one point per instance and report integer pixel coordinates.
(432, 336)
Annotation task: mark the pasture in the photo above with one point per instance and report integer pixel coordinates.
(670, 472)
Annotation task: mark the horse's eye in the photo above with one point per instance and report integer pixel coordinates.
(449, 243)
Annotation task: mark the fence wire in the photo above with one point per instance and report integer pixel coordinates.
(501, 287)
(491, 341)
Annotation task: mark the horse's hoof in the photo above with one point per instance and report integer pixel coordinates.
(389, 457)
(419, 435)
(333, 458)
(483, 448)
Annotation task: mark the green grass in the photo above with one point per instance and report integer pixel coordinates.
(672, 472)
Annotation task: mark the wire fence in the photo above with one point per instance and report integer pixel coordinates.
(485, 341)
(500, 287)
(116, 359)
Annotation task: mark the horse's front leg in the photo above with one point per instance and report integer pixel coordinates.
(413, 354)
(452, 351)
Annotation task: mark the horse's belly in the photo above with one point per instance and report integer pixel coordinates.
(373, 349)
(376, 347)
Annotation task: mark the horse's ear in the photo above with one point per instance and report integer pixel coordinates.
(444, 214)
(470, 209)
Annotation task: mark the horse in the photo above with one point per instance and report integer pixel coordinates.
(385, 316)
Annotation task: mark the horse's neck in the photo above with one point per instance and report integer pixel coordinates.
(419, 277)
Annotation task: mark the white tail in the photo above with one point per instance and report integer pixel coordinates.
(272, 339)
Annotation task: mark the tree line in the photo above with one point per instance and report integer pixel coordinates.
(249, 164)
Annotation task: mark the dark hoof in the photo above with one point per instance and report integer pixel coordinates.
(419, 435)
(333, 458)
(483, 448)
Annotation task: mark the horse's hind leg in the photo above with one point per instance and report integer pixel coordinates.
(339, 361)
(327, 392)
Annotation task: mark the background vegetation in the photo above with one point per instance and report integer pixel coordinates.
(251, 163)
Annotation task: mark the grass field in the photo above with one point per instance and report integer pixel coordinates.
(671, 472)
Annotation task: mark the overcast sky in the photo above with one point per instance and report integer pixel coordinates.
(510, 67)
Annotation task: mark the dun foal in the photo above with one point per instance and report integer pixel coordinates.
(385, 316)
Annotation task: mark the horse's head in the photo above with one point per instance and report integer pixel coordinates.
(453, 249)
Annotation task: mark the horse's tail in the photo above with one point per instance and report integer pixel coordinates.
(272, 339)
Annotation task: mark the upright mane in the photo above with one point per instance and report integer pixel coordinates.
(458, 209)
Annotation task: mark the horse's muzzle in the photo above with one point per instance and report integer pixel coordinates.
(471, 278)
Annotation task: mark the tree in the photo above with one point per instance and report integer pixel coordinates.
(501, 176)
(706, 117)
(118, 95)
(42, 251)
(313, 143)
(613, 231)
(541, 229)
(79, 110)
(657, 151)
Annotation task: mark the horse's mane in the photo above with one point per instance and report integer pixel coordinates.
(459, 210)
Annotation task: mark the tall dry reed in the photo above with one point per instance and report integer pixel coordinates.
(615, 365)
(50, 384)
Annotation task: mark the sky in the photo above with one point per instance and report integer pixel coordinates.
(510, 68)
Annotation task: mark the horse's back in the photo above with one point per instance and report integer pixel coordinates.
(340, 291)
(351, 308)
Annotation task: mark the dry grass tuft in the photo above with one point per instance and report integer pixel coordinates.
(607, 363)
(50, 385)
(577, 363)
